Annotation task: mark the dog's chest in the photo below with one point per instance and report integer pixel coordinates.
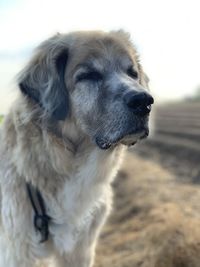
(80, 201)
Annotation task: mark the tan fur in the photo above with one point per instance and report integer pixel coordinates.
(72, 173)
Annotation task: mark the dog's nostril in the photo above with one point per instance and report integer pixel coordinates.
(139, 103)
(150, 100)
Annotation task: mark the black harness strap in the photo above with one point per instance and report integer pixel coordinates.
(41, 219)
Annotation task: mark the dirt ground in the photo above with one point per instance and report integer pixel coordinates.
(175, 142)
(155, 220)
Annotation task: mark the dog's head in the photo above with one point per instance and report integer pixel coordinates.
(94, 78)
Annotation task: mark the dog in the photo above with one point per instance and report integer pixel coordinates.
(82, 101)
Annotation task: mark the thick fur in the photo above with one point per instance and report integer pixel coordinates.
(53, 137)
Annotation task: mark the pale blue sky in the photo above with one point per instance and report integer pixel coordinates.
(167, 34)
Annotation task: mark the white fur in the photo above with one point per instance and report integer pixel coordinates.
(78, 207)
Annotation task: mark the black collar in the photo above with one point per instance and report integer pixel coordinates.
(41, 219)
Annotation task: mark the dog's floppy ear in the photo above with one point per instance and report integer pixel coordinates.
(43, 80)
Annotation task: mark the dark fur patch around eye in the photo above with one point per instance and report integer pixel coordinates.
(132, 73)
(90, 76)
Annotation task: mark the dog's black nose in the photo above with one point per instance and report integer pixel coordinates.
(140, 103)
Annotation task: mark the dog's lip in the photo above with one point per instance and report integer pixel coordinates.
(102, 143)
(131, 139)
(133, 135)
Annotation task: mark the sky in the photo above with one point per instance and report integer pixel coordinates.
(166, 34)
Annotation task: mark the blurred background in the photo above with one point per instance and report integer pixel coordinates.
(155, 222)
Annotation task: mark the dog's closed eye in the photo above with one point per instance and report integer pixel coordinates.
(132, 73)
(90, 76)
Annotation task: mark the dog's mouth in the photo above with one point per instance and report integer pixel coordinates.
(128, 139)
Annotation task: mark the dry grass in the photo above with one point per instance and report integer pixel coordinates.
(155, 222)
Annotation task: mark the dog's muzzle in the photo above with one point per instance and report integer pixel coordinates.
(139, 107)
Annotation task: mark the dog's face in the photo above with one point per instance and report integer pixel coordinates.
(96, 79)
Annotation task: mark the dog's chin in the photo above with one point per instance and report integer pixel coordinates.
(126, 139)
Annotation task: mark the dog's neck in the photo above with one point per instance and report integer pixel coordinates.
(57, 153)
(68, 136)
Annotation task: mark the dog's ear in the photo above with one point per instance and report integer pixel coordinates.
(43, 80)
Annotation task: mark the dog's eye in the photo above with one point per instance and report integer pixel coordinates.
(90, 76)
(132, 73)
